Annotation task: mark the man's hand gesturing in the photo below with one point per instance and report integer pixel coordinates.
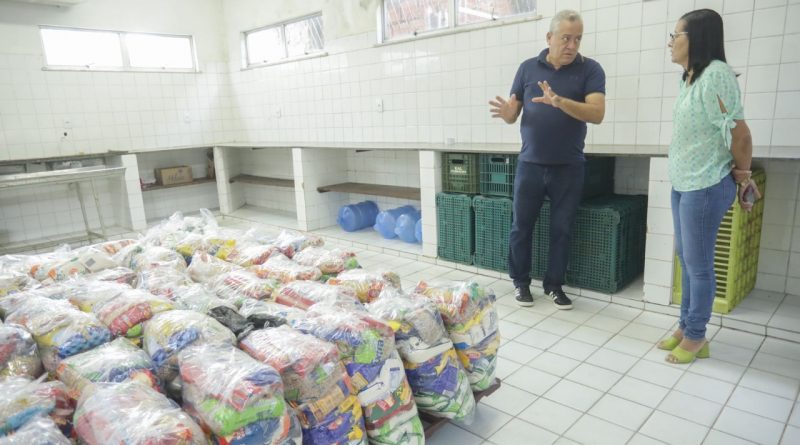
(508, 110)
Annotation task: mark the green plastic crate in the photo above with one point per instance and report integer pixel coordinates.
(735, 264)
(497, 173)
(456, 223)
(606, 251)
(493, 218)
(460, 173)
(598, 176)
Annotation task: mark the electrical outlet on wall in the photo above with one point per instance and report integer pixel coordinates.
(187, 118)
(379, 105)
(67, 124)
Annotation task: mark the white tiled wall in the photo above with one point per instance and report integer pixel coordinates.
(108, 111)
(111, 110)
(437, 88)
(389, 167)
(315, 168)
(53, 210)
(660, 236)
(273, 163)
(778, 266)
(162, 203)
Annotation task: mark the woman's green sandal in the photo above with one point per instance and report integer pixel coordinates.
(683, 356)
(669, 344)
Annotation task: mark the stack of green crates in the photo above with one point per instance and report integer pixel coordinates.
(735, 254)
(493, 217)
(460, 173)
(606, 251)
(497, 174)
(455, 222)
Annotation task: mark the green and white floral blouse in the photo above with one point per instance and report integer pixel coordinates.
(700, 151)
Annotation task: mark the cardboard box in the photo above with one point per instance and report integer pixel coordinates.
(174, 175)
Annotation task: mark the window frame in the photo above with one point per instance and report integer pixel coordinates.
(453, 27)
(246, 65)
(126, 63)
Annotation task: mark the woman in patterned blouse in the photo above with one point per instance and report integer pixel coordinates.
(710, 153)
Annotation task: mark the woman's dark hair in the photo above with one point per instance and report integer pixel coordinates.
(706, 41)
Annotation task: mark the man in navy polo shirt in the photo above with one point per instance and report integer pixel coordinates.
(557, 92)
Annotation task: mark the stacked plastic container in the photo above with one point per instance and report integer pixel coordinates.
(735, 254)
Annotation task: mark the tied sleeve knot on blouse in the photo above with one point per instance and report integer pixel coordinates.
(700, 150)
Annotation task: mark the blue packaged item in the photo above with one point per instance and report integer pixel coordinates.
(406, 227)
(418, 230)
(354, 217)
(386, 221)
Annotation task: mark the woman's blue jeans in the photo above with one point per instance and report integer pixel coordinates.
(697, 216)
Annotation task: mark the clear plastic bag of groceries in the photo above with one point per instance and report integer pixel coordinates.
(269, 314)
(167, 333)
(316, 384)
(122, 275)
(60, 329)
(85, 294)
(440, 384)
(239, 285)
(216, 242)
(237, 398)
(304, 294)
(22, 400)
(114, 362)
(248, 253)
(141, 257)
(19, 355)
(367, 285)
(290, 242)
(40, 430)
(162, 282)
(281, 268)
(367, 349)
(12, 281)
(64, 264)
(360, 337)
(12, 302)
(470, 317)
(133, 413)
(327, 261)
(198, 298)
(205, 267)
(124, 313)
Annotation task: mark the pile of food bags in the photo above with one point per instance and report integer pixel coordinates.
(133, 413)
(316, 384)
(469, 314)
(366, 347)
(441, 387)
(235, 397)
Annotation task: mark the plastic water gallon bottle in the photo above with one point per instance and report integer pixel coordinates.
(418, 231)
(406, 226)
(354, 217)
(386, 221)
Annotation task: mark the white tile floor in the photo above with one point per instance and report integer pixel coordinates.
(593, 376)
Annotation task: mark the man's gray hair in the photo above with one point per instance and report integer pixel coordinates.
(566, 15)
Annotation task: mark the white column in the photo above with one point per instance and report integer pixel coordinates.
(314, 167)
(430, 182)
(660, 246)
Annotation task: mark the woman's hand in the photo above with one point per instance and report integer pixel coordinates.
(748, 195)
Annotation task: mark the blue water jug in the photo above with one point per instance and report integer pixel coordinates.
(354, 217)
(418, 231)
(406, 227)
(386, 221)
